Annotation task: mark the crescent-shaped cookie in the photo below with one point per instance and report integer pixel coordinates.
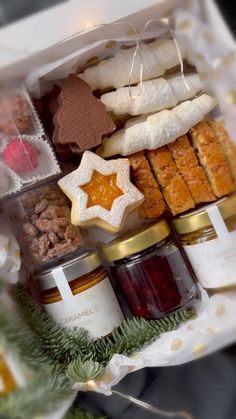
(160, 55)
(158, 129)
(155, 95)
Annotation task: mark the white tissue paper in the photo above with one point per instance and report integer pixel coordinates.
(10, 260)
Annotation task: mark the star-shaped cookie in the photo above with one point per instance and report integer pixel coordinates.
(101, 192)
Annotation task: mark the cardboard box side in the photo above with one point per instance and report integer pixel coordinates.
(21, 43)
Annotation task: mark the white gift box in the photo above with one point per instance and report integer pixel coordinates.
(196, 23)
(22, 40)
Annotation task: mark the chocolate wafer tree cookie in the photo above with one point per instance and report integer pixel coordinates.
(80, 118)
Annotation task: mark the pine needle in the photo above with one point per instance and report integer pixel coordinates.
(66, 345)
(79, 371)
(23, 341)
(42, 396)
(80, 414)
(63, 344)
(65, 356)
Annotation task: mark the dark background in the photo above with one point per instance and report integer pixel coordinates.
(207, 387)
(12, 10)
(228, 9)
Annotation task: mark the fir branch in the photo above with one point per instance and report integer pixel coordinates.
(46, 346)
(63, 345)
(76, 413)
(133, 334)
(42, 396)
(75, 349)
(26, 344)
(79, 371)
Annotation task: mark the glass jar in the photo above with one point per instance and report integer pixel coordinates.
(79, 293)
(40, 219)
(7, 381)
(213, 258)
(150, 274)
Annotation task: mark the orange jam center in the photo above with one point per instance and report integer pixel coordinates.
(102, 190)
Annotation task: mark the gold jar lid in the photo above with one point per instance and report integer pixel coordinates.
(199, 219)
(81, 264)
(136, 241)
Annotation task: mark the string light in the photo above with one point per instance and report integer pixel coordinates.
(165, 23)
(89, 25)
(91, 385)
(155, 410)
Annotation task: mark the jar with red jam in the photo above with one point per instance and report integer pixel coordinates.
(151, 276)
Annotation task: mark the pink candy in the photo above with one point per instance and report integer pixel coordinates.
(20, 156)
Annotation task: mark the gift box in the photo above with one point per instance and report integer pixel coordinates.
(214, 325)
(26, 155)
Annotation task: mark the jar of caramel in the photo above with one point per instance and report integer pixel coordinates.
(208, 236)
(150, 274)
(78, 293)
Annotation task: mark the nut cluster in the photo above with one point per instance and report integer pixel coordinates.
(46, 230)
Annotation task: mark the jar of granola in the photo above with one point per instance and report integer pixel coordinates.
(40, 219)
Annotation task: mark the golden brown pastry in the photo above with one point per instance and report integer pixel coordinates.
(186, 161)
(153, 205)
(212, 159)
(227, 145)
(177, 196)
(174, 188)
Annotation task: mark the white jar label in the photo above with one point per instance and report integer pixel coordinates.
(95, 309)
(214, 261)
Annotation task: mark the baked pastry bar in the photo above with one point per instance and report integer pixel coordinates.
(153, 205)
(212, 159)
(227, 145)
(187, 164)
(174, 188)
